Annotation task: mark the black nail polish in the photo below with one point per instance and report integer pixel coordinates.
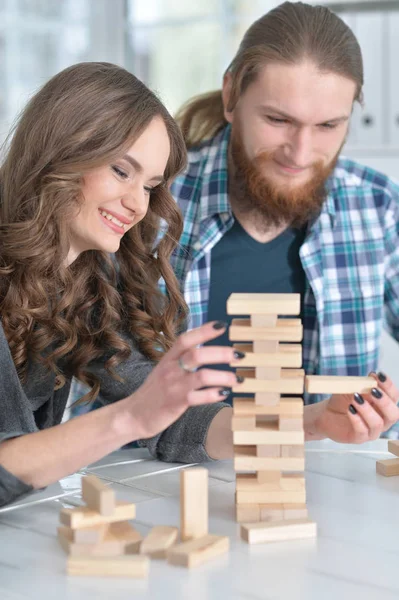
(225, 392)
(352, 409)
(220, 325)
(358, 398)
(240, 378)
(382, 377)
(239, 354)
(376, 393)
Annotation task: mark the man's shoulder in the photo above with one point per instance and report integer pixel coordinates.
(352, 175)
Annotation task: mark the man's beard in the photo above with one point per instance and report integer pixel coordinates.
(266, 203)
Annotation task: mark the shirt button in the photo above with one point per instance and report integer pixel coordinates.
(197, 246)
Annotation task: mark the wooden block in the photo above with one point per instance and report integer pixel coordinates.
(263, 451)
(267, 476)
(320, 384)
(246, 461)
(263, 320)
(248, 482)
(290, 424)
(267, 398)
(83, 517)
(286, 330)
(267, 372)
(193, 503)
(270, 496)
(264, 304)
(268, 435)
(158, 541)
(247, 513)
(268, 346)
(295, 511)
(290, 382)
(389, 467)
(287, 407)
(127, 535)
(260, 420)
(122, 566)
(196, 552)
(292, 452)
(98, 496)
(286, 355)
(239, 423)
(121, 538)
(271, 512)
(90, 535)
(393, 446)
(278, 531)
(292, 481)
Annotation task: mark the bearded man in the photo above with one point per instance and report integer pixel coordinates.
(269, 206)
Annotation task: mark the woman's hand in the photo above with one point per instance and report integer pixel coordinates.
(357, 418)
(176, 383)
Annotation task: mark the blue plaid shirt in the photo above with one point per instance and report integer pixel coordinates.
(350, 256)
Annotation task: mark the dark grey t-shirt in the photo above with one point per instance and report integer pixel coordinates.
(35, 406)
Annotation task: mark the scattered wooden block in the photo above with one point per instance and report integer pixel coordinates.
(286, 355)
(121, 538)
(278, 531)
(321, 384)
(264, 304)
(393, 446)
(158, 541)
(193, 503)
(90, 535)
(263, 320)
(196, 552)
(389, 467)
(84, 517)
(290, 382)
(286, 330)
(122, 566)
(98, 496)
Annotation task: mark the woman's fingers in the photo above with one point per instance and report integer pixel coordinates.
(196, 337)
(383, 405)
(387, 386)
(208, 396)
(209, 355)
(372, 420)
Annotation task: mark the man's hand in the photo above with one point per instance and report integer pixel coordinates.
(354, 419)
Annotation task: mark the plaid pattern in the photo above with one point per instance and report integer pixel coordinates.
(350, 257)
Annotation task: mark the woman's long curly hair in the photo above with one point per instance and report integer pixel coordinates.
(56, 314)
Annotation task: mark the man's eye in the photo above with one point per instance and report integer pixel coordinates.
(276, 119)
(328, 125)
(119, 172)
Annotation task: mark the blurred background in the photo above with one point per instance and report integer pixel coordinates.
(181, 48)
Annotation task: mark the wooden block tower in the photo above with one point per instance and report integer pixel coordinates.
(268, 432)
(268, 429)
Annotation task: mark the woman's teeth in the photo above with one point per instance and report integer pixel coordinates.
(109, 217)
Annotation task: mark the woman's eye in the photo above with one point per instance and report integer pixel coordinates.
(148, 189)
(119, 172)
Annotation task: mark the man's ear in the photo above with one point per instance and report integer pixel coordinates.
(226, 91)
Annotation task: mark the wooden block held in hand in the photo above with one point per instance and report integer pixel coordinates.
(122, 566)
(193, 503)
(389, 467)
(195, 552)
(321, 384)
(84, 517)
(278, 531)
(98, 496)
(158, 541)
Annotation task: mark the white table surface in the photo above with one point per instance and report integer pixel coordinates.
(355, 556)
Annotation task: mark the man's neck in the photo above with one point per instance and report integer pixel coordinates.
(249, 224)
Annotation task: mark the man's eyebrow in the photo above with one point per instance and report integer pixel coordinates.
(277, 111)
(136, 165)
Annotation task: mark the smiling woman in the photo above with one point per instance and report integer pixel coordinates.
(87, 175)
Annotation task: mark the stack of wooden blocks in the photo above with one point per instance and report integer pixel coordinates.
(268, 431)
(100, 541)
(267, 428)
